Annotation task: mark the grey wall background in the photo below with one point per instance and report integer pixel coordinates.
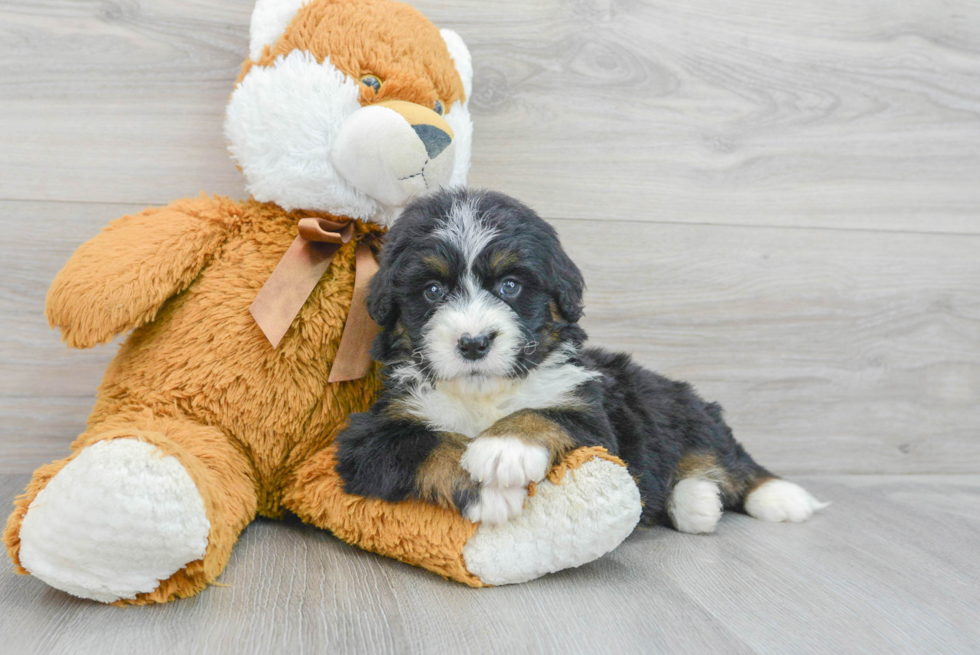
(777, 201)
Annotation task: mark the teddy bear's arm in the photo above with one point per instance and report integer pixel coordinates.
(118, 280)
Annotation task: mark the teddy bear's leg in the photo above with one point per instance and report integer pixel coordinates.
(146, 509)
(586, 507)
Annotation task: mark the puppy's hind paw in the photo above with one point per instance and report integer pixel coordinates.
(779, 500)
(694, 506)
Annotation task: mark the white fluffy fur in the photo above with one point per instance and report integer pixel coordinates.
(284, 126)
(590, 513)
(281, 123)
(114, 522)
(694, 505)
(504, 466)
(472, 309)
(497, 504)
(458, 118)
(466, 232)
(379, 153)
(468, 406)
(780, 500)
(461, 59)
(270, 18)
(505, 461)
(475, 311)
(458, 115)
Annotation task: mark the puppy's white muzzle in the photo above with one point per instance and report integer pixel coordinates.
(475, 312)
(394, 151)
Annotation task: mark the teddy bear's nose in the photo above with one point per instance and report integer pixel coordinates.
(434, 139)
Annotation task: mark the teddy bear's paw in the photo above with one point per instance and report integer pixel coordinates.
(505, 462)
(496, 504)
(114, 522)
(593, 509)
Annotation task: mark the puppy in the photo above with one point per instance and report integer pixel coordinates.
(487, 383)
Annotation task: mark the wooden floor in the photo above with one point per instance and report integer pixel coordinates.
(776, 200)
(889, 568)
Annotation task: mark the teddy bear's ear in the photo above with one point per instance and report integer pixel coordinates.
(461, 58)
(269, 21)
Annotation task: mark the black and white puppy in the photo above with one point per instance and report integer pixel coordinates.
(487, 383)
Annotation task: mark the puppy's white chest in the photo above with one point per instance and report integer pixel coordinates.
(447, 410)
(469, 408)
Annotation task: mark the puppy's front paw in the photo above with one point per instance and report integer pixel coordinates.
(505, 462)
(496, 504)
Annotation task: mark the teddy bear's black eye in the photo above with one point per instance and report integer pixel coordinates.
(438, 108)
(434, 292)
(372, 82)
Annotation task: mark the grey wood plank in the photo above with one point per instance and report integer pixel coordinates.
(833, 351)
(832, 115)
(880, 577)
(876, 572)
(46, 389)
(846, 352)
(36, 239)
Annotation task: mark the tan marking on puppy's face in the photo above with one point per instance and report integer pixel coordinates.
(437, 265)
(400, 334)
(390, 40)
(441, 476)
(501, 260)
(534, 429)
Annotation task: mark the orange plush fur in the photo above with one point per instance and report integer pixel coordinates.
(253, 426)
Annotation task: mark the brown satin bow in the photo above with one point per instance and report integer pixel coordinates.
(296, 275)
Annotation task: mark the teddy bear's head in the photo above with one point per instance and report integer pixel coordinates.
(351, 107)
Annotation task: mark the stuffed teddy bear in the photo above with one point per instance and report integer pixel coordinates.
(249, 337)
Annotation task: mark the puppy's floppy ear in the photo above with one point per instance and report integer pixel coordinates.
(569, 285)
(381, 303)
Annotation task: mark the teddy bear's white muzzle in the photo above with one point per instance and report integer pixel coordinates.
(382, 153)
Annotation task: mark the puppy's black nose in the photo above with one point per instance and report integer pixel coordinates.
(475, 347)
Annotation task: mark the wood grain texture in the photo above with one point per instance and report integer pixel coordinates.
(847, 115)
(889, 567)
(774, 200)
(833, 351)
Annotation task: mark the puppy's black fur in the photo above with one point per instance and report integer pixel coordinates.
(662, 429)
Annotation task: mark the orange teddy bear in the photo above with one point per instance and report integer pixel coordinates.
(344, 111)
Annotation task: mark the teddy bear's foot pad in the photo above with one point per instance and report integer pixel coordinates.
(592, 511)
(114, 522)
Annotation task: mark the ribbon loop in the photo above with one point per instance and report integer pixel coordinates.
(323, 230)
(283, 295)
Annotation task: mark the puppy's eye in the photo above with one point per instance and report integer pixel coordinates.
(509, 288)
(434, 292)
(438, 107)
(372, 82)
